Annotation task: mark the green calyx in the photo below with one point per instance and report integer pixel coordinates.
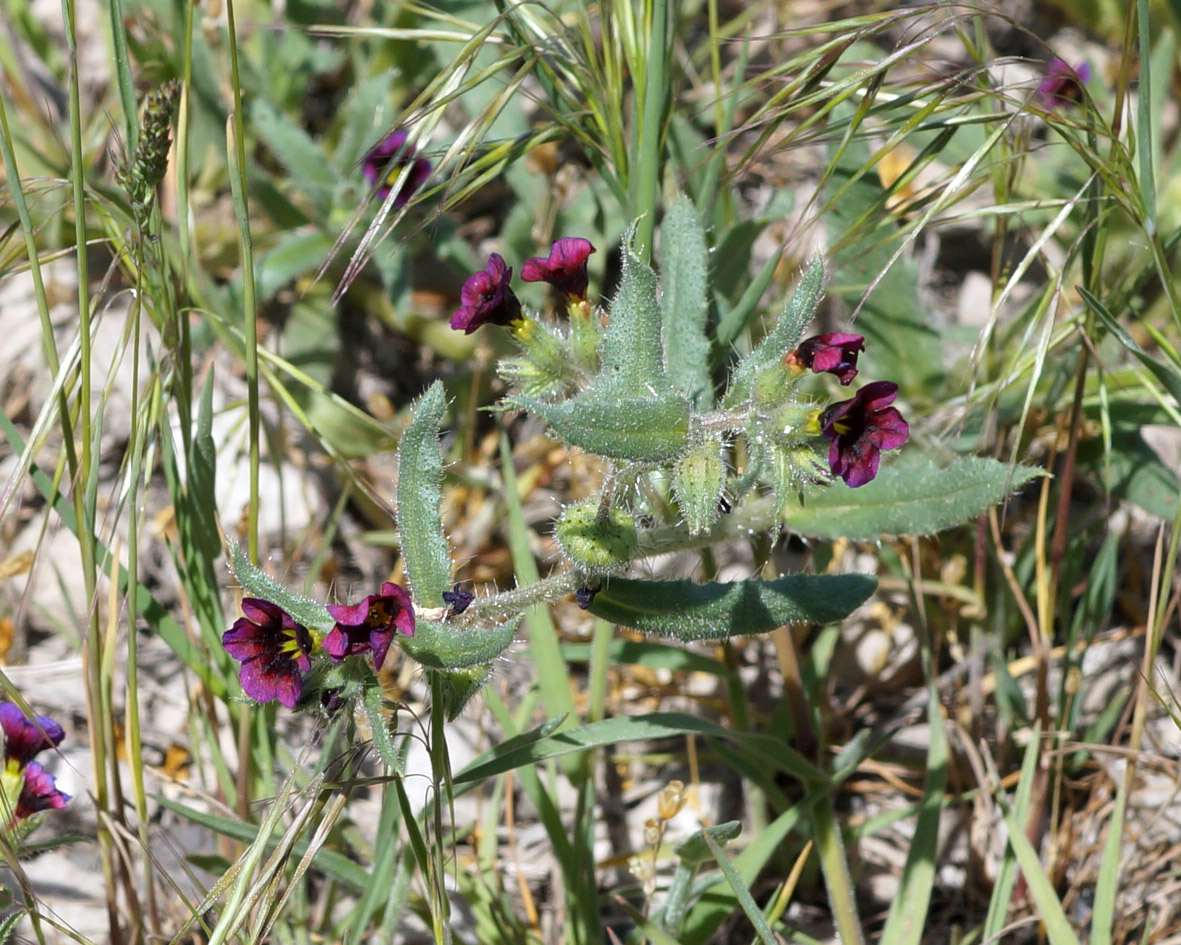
(697, 482)
(595, 541)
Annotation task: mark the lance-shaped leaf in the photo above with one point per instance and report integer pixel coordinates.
(257, 583)
(439, 646)
(1162, 370)
(908, 497)
(693, 849)
(689, 611)
(684, 265)
(420, 493)
(632, 358)
(641, 429)
(785, 334)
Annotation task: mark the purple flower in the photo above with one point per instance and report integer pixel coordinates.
(1063, 84)
(565, 269)
(384, 163)
(487, 298)
(368, 626)
(273, 650)
(831, 353)
(860, 429)
(24, 737)
(38, 792)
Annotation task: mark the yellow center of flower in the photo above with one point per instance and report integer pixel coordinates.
(379, 614)
(812, 424)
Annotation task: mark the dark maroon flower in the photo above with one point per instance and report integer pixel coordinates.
(831, 353)
(273, 650)
(860, 429)
(487, 298)
(24, 737)
(458, 600)
(565, 269)
(38, 792)
(368, 626)
(1063, 84)
(384, 163)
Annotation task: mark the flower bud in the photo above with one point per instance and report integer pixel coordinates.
(697, 483)
(458, 686)
(595, 541)
(795, 467)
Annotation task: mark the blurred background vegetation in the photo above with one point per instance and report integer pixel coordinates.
(234, 355)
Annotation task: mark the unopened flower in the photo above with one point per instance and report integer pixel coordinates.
(832, 353)
(487, 298)
(860, 429)
(1063, 84)
(24, 737)
(38, 792)
(383, 165)
(585, 595)
(369, 625)
(564, 269)
(273, 650)
(458, 600)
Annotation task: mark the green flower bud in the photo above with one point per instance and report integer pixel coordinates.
(697, 483)
(594, 542)
(793, 468)
(457, 687)
(795, 424)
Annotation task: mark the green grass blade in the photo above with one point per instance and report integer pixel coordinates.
(741, 891)
(908, 913)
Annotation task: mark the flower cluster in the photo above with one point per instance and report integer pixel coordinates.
(860, 429)
(276, 651)
(487, 298)
(25, 786)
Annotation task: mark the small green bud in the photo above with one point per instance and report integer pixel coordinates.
(795, 424)
(531, 379)
(585, 335)
(697, 483)
(595, 542)
(795, 467)
(457, 687)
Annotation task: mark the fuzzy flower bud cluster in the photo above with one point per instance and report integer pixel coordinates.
(605, 389)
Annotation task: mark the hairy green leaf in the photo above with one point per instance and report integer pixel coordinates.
(642, 429)
(690, 611)
(633, 363)
(913, 497)
(293, 148)
(785, 334)
(684, 265)
(257, 583)
(420, 493)
(439, 646)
